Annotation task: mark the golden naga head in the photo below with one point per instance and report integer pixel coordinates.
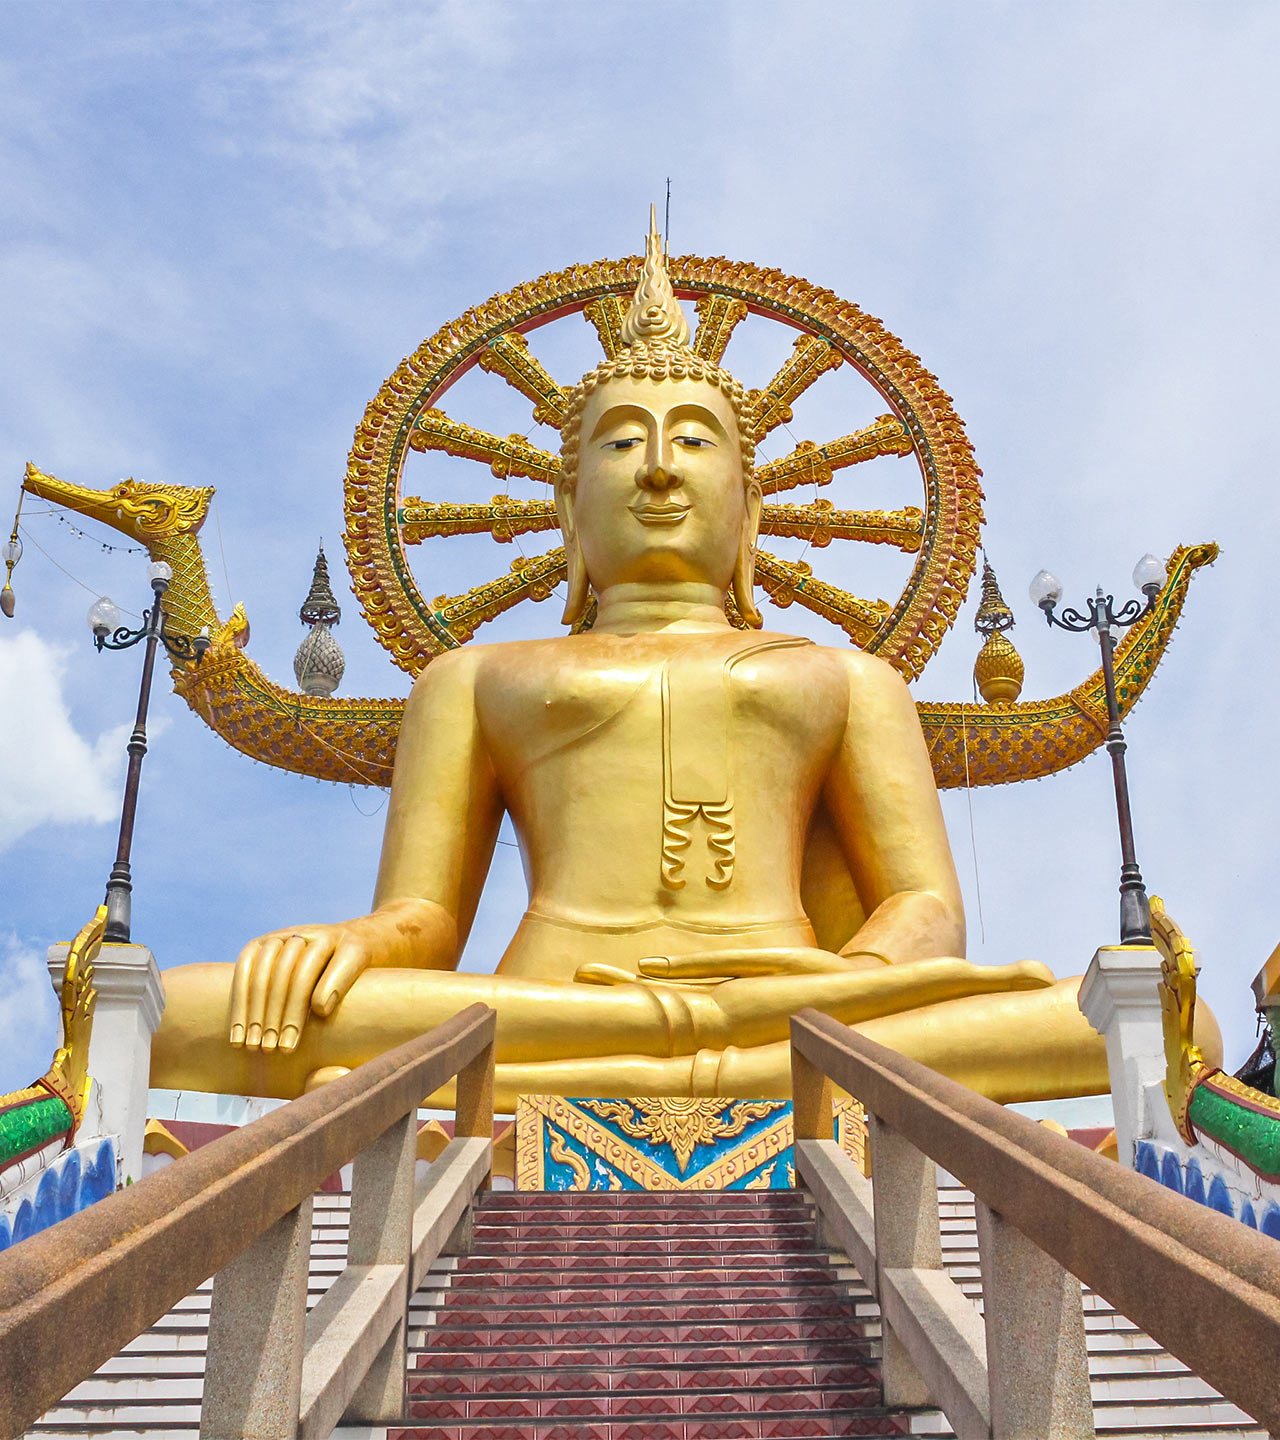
(655, 347)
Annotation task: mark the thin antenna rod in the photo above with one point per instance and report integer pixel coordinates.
(666, 224)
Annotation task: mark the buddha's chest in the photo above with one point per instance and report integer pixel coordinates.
(691, 714)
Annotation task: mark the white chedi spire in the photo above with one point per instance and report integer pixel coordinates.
(319, 663)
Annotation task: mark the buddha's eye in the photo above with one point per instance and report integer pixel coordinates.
(625, 444)
(691, 442)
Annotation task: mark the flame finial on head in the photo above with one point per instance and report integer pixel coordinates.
(655, 316)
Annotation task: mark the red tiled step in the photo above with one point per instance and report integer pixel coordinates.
(546, 1257)
(660, 1289)
(668, 1262)
(630, 1221)
(804, 1426)
(763, 1242)
(489, 1270)
(564, 1336)
(613, 1405)
(798, 1230)
(649, 1356)
(561, 1378)
(469, 1313)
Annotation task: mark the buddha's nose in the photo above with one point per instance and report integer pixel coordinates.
(658, 477)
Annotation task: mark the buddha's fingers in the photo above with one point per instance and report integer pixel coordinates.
(594, 973)
(238, 1007)
(286, 963)
(735, 964)
(259, 979)
(758, 1010)
(302, 984)
(350, 961)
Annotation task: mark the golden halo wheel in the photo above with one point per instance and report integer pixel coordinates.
(405, 416)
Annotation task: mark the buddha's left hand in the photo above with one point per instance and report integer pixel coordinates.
(709, 967)
(746, 1009)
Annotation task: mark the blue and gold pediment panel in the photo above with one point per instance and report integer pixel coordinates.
(665, 1143)
(653, 1144)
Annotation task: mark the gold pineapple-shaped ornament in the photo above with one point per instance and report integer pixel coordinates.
(998, 670)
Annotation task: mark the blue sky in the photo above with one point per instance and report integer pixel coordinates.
(225, 224)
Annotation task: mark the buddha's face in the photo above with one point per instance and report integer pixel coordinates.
(660, 494)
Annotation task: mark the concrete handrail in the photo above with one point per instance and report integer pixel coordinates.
(72, 1296)
(1204, 1286)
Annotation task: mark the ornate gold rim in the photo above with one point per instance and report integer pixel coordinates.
(403, 416)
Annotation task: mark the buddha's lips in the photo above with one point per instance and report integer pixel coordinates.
(666, 514)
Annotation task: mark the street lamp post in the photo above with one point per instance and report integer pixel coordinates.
(1103, 617)
(110, 634)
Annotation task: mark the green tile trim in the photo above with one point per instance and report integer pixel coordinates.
(28, 1127)
(1253, 1135)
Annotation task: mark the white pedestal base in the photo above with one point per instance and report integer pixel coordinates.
(1120, 998)
(130, 1002)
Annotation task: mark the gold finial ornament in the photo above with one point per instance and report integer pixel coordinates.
(998, 670)
(655, 316)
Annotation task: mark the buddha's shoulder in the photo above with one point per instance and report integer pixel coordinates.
(847, 660)
(474, 664)
(485, 664)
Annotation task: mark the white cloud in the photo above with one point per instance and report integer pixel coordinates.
(49, 772)
(359, 104)
(28, 1011)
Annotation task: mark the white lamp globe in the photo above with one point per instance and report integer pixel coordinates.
(1148, 574)
(104, 616)
(1045, 590)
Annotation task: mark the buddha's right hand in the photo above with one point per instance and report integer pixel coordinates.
(281, 977)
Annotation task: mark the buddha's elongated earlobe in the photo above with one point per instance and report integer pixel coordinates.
(744, 572)
(575, 606)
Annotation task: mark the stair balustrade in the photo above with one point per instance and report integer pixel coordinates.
(1050, 1214)
(239, 1209)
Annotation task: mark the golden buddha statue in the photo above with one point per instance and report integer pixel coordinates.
(720, 825)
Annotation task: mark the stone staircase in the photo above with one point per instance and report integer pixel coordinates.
(660, 1317)
(643, 1317)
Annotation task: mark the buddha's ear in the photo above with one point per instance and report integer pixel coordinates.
(744, 572)
(579, 589)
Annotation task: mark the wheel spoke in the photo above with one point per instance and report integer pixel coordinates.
(820, 524)
(788, 580)
(532, 577)
(503, 518)
(717, 317)
(606, 314)
(810, 464)
(433, 430)
(768, 408)
(509, 356)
